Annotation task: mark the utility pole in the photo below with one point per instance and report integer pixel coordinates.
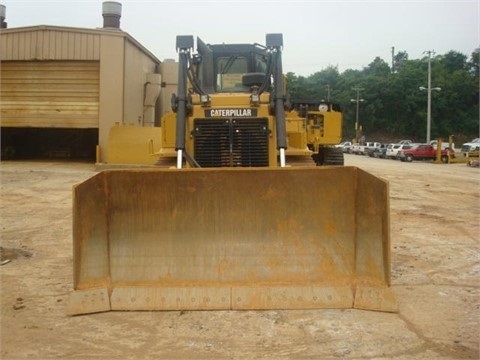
(429, 89)
(393, 59)
(429, 96)
(477, 50)
(358, 129)
(328, 92)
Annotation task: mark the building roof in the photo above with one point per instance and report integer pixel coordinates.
(72, 30)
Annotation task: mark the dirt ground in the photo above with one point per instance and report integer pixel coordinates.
(435, 274)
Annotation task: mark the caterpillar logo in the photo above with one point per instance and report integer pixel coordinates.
(247, 112)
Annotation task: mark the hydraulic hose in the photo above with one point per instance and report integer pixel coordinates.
(181, 106)
(279, 100)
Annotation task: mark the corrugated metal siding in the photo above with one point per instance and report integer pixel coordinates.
(49, 44)
(63, 94)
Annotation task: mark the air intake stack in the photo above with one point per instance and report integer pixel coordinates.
(3, 12)
(111, 12)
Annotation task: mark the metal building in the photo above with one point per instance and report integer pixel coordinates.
(63, 88)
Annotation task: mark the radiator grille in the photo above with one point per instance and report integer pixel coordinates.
(231, 142)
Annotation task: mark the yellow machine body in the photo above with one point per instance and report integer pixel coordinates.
(324, 127)
(233, 102)
(133, 145)
(228, 226)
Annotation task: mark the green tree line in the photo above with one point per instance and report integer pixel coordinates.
(393, 106)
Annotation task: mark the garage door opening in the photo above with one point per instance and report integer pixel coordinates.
(45, 143)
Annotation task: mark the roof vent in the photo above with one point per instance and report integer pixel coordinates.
(3, 12)
(112, 12)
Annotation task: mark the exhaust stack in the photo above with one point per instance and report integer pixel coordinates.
(3, 12)
(111, 12)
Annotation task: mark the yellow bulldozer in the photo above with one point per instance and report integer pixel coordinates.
(247, 207)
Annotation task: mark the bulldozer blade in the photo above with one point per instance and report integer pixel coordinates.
(231, 238)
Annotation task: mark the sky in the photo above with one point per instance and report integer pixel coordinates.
(316, 33)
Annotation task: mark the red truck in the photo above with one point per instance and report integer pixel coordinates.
(422, 152)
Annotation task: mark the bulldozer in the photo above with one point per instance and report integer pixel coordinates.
(247, 208)
(323, 129)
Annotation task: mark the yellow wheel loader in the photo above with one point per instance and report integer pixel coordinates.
(235, 221)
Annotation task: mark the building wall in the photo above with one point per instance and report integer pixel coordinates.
(112, 70)
(123, 69)
(140, 66)
(169, 71)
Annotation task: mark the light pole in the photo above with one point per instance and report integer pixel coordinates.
(477, 50)
(357, 100)
(429, 94)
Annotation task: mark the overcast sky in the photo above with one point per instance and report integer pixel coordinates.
(316, 33)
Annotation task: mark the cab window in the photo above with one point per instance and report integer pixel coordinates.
(229, 73)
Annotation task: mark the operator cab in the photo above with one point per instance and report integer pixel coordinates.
(231, 68)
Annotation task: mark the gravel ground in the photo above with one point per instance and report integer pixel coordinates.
(435, 274)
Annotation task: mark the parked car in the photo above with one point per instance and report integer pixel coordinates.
(473, 145)
(370, 147)
(362, 148)
(392, 149)
(422, 152)
(403, 147)
(345, 146)
(402, 142)
(380, 152)
(445, 145)
(356, 148)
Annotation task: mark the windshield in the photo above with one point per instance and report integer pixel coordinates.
(231, 67)
(229, 73)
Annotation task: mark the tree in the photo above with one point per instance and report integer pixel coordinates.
(393, 104)
(377, 67)
(399, 60)
(453, 61)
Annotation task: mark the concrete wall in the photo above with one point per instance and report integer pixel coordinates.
(136, 84)
(112, 68)
(169, 71)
